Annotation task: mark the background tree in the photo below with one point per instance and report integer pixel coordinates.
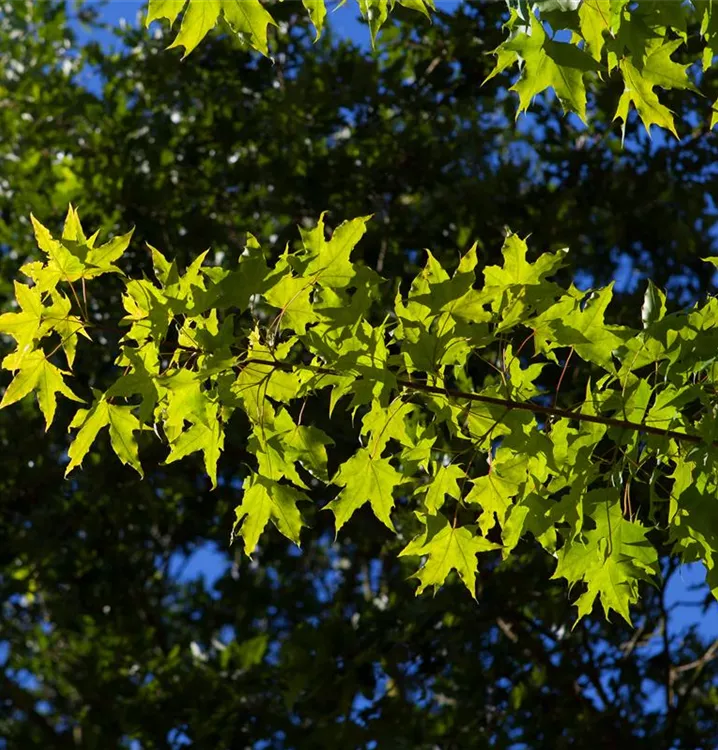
(105, 641)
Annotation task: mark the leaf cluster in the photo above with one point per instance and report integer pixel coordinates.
(465, 459)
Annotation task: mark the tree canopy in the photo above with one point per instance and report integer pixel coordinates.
(107, 643)
(557, 44)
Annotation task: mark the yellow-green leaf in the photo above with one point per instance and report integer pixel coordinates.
(447, 548)
(24, 326)
(35, 373)
(122, 424)
(365, 479)
(263, 501)
(444, 482)
(248, 19)
(206, 436)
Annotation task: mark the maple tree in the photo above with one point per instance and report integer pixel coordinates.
(438, 498)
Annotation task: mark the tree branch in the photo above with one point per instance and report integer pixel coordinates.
(507, 403)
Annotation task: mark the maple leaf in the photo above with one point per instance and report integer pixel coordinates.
(68, 327)
(657, 70)
(444, 482)
(72, 228)
(24, 326)
(422, 6)
(611, 559)
(187, 293)
(516, 270)
(306, 444)
(363, 367)
(594, 20)
(122, 424)
(433, 324)
(101, 259)
(329, 262)
(340, 314)
(185, 399)
(257, 380)
(519, 287)
(693, 526)
(274, 461)
(62, 265)
(386, 423)
(654, 305)
(430, 291)
(427, 351)
(248, 279)
(375, 12)
(433, 294)
(142, 368)
(77, 252)
(420, 452)
(291, 294)
(365, 479)
(149, 311)
(317, 13)
(569, 323)
(547, 63)
(665, 412)
(495, 496)
(532, 513)
(247, 18)
(447, 548)
(207, 435)
(37, 320)
(264, 500)
(35, 373)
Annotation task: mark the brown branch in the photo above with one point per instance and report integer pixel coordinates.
(628, 647)
(710, 654)
(506, 629)
(547, 411)
(551, 411)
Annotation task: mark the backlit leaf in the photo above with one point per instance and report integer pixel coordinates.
(264, 500)
(365, 479)
(447, 548)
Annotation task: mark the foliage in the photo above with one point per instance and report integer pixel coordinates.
(249, 19)
(189, 361)
(557, 44)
